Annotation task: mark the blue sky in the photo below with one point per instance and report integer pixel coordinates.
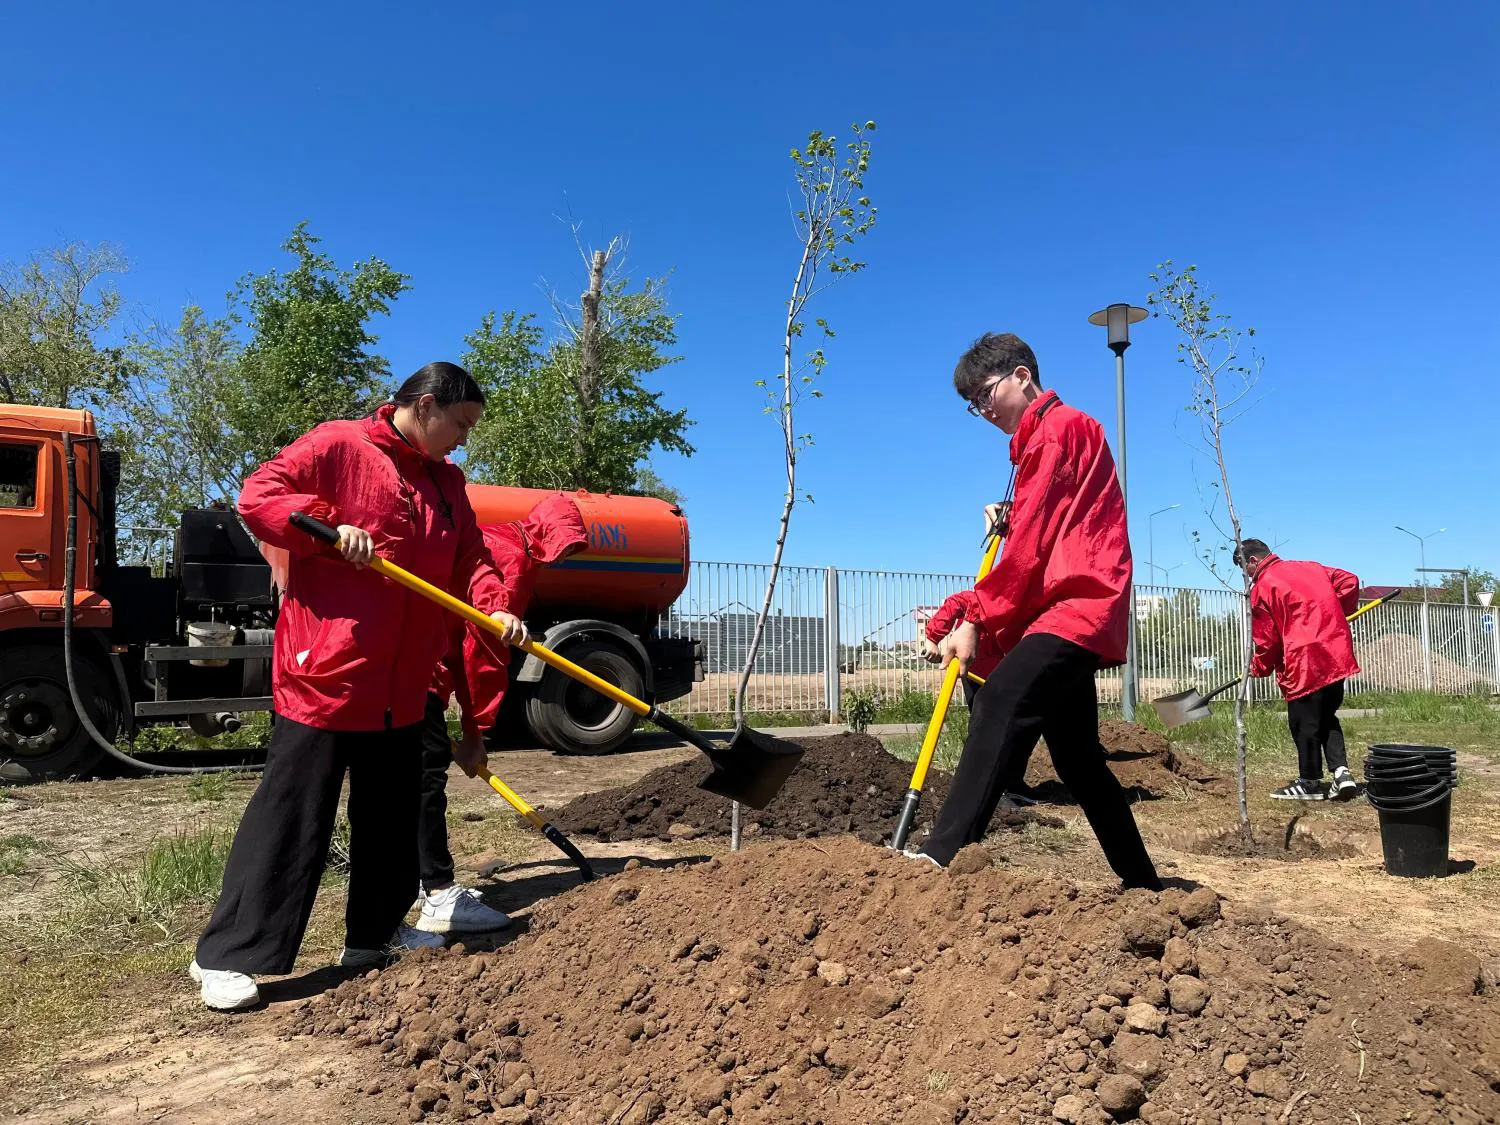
(1331, 168)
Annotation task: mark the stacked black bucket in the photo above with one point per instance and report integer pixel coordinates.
(1411, 788)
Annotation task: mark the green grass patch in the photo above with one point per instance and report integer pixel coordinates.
(184, 868)
(208, 786)
(950, 742)
(15, 853)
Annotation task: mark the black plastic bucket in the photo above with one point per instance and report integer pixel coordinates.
(1411, 788)
(1414, 835)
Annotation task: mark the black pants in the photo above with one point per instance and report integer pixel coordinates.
(1314, 721)
(1014, 780)
(281, 847)
(434, 861)
(1044, 686)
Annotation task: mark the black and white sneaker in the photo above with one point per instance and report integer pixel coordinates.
(1345, 788)
(1300, 790)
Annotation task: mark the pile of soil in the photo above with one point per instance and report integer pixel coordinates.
(840, 983)
(1147, 765)
(1394, 662)
(845, 784)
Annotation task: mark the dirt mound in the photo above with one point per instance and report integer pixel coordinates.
(844, 784)
(839, 983)
(1147, 765)
(1395, 662)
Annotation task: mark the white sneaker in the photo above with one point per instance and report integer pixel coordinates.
(459, 910)
(404, 940)
(225, 990)
(1345, 788)
(910, 854)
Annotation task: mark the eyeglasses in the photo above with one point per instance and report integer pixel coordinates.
(981, 402)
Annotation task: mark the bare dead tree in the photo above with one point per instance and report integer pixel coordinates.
(1225, 371)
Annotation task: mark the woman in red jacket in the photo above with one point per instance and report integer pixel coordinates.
(1057, 605)
(1298, 614)
(352, 660)
(478, 675)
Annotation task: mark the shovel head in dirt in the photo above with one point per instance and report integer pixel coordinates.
(752, 768)
(1186, 706)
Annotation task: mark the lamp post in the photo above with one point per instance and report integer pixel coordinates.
(1151, 536)
(1117, 319)
(1426, 630)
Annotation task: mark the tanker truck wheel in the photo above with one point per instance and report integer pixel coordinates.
(40, 736)
(574, 719)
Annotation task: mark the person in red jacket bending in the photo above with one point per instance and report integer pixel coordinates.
(1298, 614)
(351, 663)
(478, 675)
(1057, 605)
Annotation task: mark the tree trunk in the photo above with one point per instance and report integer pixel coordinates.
(588, 368)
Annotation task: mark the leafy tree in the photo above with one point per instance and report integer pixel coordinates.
(308, 357)
(574, 412)
(178, 450)
(56, 309)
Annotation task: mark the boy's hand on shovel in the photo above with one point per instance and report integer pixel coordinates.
(961, 645)
(515, 629)
(469, 753)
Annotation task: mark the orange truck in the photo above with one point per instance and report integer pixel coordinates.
(193, 646)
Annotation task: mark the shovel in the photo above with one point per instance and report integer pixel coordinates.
(751, 769)
(1192, 705)
(536, 820)
(940, 713)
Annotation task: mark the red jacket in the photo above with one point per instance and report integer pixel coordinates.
(1066, 567)
(353, 651)
(1297, 612)
(473, 668)
(947, 618)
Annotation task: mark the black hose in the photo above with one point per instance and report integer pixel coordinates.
(69, 592)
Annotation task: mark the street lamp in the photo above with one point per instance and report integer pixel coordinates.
(1426, 631)
(1117, 319)
(1151, 535)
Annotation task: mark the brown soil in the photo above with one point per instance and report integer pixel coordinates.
(846, 783)
(1288, 845)
(1147, 765)
(835, 982)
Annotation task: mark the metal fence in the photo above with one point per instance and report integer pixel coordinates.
(812, 656)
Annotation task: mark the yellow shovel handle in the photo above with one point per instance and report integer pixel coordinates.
(489, 625)
(515, 800)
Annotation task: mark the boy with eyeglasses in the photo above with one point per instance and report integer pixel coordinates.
(1057, 604)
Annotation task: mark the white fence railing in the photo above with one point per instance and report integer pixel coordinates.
(811, 656)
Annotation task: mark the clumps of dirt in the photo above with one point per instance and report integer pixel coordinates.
(839, 983)
(845, 784)
(1289, 844)
(1144, 761)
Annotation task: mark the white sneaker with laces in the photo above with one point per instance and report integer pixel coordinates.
(459, 910)
(225, 990)
(404, 940)
(1345, 788)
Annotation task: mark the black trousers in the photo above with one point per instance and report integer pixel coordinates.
(1044, 687)
(1015, 777)
(1314, 722)
(281, 847)
(434, 861)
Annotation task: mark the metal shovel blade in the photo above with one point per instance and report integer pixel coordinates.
(1181, 707)
(752, 768)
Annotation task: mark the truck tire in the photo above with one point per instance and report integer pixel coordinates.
(574, 719)
(40, 736)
